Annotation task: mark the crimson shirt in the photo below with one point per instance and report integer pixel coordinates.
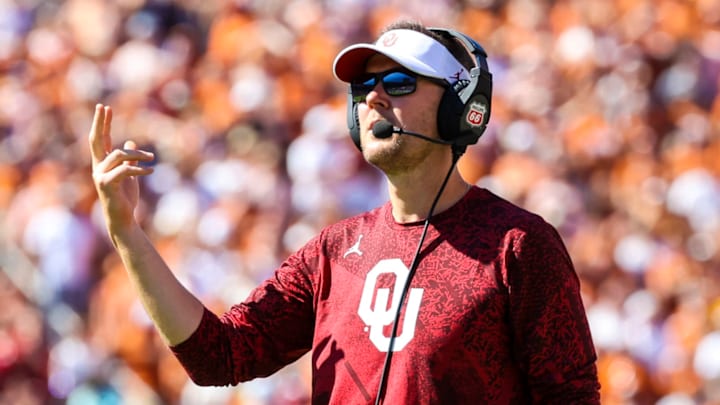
(493, 315)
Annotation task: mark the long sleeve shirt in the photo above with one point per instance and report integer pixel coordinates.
(493, 314)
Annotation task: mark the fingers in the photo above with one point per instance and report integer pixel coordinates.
(123, 172)
(98, 138)
(107, 141)
(119, 165)
(101, 144)
(131, 148)
(129, 156)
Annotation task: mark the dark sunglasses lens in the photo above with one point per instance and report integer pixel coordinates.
(394, 83)
(361, 87)
(399, 83)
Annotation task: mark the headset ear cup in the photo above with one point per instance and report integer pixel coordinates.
(353, 121)
(449, 114)
(463, 123)
(463, 113)
(475, 116)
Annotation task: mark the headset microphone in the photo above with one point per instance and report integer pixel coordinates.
(384, 129)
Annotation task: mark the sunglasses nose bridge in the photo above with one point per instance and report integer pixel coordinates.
(377, 82)
(375, 87)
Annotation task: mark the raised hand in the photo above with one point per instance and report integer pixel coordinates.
(115, 171)
(175, 311)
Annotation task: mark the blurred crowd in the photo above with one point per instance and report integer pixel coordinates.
(606, 121)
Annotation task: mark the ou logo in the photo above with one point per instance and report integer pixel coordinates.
(380, 315)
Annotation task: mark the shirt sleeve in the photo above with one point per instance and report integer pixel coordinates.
(271, 329)
(551, 333)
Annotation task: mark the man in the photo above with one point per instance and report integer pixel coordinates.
(445, 294)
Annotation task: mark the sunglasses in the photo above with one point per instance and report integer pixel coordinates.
(395, 82)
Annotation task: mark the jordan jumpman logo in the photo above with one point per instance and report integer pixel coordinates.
(354, 248)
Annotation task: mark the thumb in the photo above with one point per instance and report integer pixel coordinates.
(130, 145)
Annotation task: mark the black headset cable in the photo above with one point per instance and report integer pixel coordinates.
(457, 152)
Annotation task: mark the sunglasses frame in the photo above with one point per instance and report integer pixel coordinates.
(359, 90)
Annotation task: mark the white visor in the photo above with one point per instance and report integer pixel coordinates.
(413, 50)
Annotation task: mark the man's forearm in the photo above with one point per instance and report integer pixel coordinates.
(174, 310)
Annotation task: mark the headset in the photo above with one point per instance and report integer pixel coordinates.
(464, 109)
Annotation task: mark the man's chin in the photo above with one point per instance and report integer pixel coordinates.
(388, 158)
(379, 151)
